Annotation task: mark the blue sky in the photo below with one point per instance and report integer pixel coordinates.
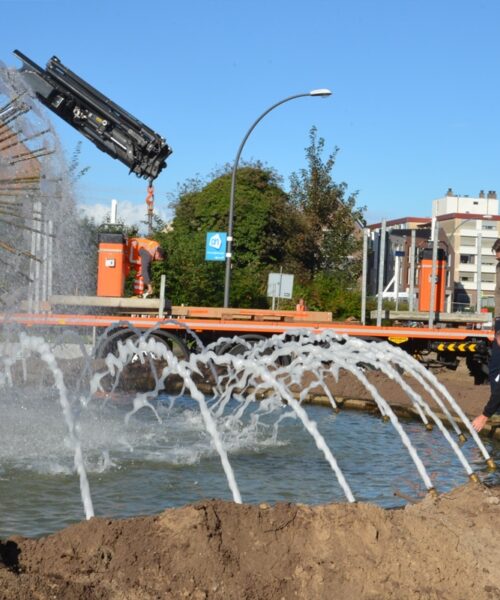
(415, 105)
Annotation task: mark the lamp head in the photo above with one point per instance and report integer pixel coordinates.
(321, 92)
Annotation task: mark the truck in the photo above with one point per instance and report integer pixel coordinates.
(109, 319)
(188, 329)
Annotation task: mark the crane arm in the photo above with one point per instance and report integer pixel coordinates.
(111, 128)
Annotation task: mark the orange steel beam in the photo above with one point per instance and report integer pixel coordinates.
(235, 326)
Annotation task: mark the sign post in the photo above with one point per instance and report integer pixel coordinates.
(215, 247)
(279, 285)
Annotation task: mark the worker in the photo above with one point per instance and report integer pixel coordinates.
(496, 249)
(301, 305)
(493, 404)
(143, 252)
(147, 259)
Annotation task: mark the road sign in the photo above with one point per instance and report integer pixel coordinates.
(280, 285)
(215, 248)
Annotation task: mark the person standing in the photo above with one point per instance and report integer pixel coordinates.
(493, 404)
(147, 258)
(142, 252)
(496, 249)
(301, 305)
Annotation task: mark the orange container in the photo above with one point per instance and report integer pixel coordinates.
(425, 281)
(111, 265)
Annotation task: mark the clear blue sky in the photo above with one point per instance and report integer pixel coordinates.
(415, 108)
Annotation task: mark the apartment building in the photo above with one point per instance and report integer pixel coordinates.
(466, 229)
(470, 225)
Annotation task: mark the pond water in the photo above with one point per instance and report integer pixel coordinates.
(144, 466)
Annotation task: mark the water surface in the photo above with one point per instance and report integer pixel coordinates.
(147, 466)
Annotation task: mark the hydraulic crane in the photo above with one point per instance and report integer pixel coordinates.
(111, 128)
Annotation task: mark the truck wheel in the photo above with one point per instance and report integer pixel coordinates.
(237, 348)
(110, 343)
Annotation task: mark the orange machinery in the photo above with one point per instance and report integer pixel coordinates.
(425, 281)
(112, 264)
(117, 256)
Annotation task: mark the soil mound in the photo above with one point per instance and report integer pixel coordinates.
(441, 547)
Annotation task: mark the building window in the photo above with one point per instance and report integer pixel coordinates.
(466, 259)
(466, 278)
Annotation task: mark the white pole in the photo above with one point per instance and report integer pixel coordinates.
(114, 211)
(412, 270)
(381, 265)
(161, 310)
(478, 272)
(38, 245)
(50, 259)
(44, 226)
(433, 271)
(364, 275)
(31, 287)
(396, 275)
(279, 288)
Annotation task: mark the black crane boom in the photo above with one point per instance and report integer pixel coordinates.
(111, 128)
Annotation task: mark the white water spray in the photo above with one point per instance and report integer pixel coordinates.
(265, 375)
(39, 346)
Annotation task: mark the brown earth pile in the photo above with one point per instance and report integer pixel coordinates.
(438, 548)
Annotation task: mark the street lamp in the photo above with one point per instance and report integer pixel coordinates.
(463, 221)
(322, 93)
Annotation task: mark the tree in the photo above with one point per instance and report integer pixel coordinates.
(311, 233)
(331, 220)
(264, 225)
(331, 236)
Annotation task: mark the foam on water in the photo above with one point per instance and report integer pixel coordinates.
(34, 435)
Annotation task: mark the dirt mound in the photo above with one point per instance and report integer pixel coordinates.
(438, 548)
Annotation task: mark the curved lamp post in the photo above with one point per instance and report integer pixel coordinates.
(322, 93)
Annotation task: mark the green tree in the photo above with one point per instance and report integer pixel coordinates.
(264, 225)
(331, 244)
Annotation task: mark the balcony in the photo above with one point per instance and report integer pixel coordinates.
(486, 286)
(472, 268)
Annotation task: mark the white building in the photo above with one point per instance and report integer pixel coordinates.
(484, 204)
(471, 225)
(467, 228)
